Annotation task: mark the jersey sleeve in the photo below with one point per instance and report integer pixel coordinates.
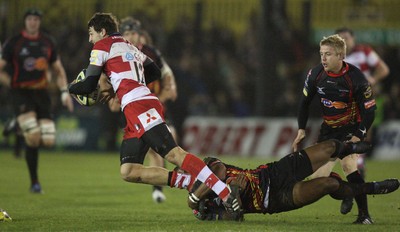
(54, 54)
(98, 57)
(372, 57)
(366, 104)
(308, 93)
(7, 50)
(153, 53)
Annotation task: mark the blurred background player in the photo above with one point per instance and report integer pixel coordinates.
(26, 62)
(375, 70)
(348, 108)
(165, 89)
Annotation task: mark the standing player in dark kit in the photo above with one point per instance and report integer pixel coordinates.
(129, 70)
(278, 187)
(375, 70)
(348, 109)
(29, 56)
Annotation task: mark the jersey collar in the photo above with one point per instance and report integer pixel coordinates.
(344, 70)
(26, 35)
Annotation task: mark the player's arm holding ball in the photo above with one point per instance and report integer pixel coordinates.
(88, 84)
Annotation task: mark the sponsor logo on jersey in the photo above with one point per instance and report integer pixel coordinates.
(150, 118)
(129, 56)
(320, 90)
(24, 52)
(41, 64)
(343, 92)
(93, 57)
(363, 131)
(29, 64)
(369, 104)
(335, 104)
(368, 92)
(305, 92)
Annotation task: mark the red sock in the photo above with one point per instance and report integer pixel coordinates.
(198, 169)
(178, 179)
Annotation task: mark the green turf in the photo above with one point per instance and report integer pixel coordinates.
(83, 192)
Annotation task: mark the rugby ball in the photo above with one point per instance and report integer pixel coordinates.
(87, 99)
(4, 217)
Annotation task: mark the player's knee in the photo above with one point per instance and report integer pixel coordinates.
(31, 131)
(155, 159)
(176, 156)
(336, 147)
(32, 139)
(130, 174)
(349, 168)
(48, 133)
(331, 146)
(330, 184)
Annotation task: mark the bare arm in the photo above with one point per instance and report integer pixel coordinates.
(381, 71)
(62, 84)
(4, 77)
(106, 90)
(169, 89)
(202, 191)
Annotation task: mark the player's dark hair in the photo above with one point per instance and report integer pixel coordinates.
(33, 11)
(104, 20)
(130, 24)
(344, 30)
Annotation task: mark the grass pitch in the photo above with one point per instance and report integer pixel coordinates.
(84, 192)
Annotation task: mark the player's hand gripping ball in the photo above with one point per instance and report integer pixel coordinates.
(87, 99)
(4, 217)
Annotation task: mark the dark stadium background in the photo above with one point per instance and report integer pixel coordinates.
(231, 58)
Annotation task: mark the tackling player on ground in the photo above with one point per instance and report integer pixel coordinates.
(129, 70)
(278, 187)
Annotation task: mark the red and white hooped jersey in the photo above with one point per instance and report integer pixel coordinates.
(123, 64)
(364, 58)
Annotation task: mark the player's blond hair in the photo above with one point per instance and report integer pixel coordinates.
(336, 42)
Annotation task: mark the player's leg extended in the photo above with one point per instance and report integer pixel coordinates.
(161, 140)
(138, 173)
(48, 132)
(320, 153)
(132, 153)
(308, 192)
(349, 165)
(157, 161)
(32, 134)
(324, 170)
(346, 189)
(30, 128)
